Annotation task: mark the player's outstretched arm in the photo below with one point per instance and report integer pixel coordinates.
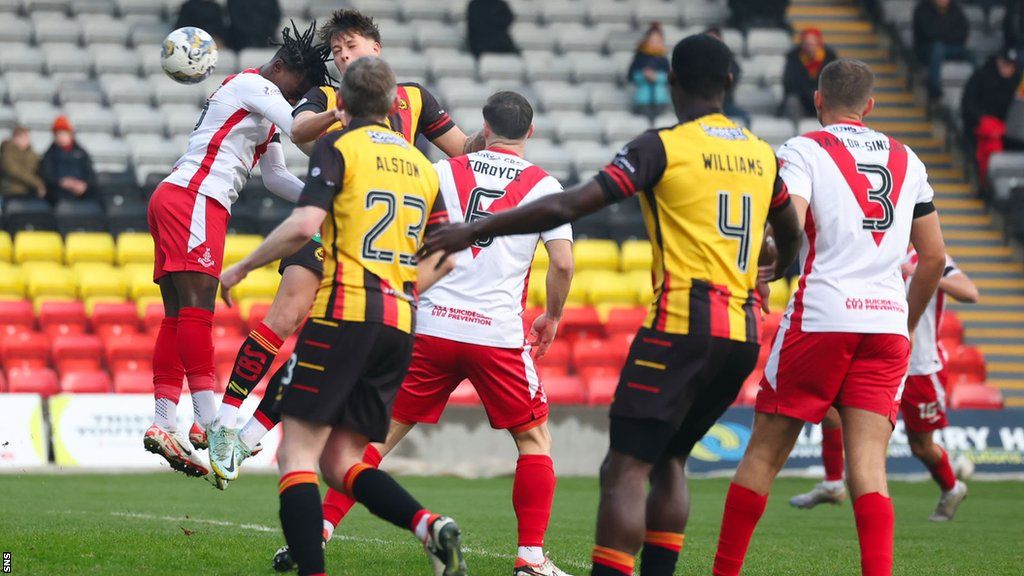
(960, 287)
(557, 284)
(926, 236)
(308, 126)
(276, 176)
(534, 217)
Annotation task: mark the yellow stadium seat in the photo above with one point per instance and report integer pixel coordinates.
(536, 292)
(55, 282)
(12, 281)
(6, 246)
(780, 293)
(582, 283)
(641, 280)
(238, 246)
(134, 247)
(140, 283)
(260, 283)
(96, 282)
(89, 247)
(617, 289)
(37, 266)
(596, 255)
(36, 246)
(90, 303)
(540, 258)
(636, 255)
(138, 268)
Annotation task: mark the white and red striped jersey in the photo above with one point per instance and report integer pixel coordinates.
(238, 124)
(864, 190)
(481, 301)
(927, 356)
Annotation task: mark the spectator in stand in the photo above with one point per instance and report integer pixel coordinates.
(488, 25)
(19, 167)
(986, 104)
(649, 73)
(729, 107)
(940, 34)
(1013, 24)
(747, 14)
(800, 78)
(205, 14)
(253, 23)
(66, 167)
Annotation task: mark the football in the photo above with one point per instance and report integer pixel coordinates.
(189, 55)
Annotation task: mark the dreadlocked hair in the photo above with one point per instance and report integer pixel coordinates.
(299, 53)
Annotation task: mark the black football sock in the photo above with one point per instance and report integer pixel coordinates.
(302, 520)
(383, 496)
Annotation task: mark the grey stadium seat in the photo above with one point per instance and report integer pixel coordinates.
(770, 68)
(542, 66)
(1006, 165)
(773, 130)
(155, 152)
(66, 58)
(9, 7)
(553, 159)
(408, 66)
(20, 58)
(451, 64)
(167, 91)
(111, 152)
(587, 160)
(114, 59)
(899, 13)
(93, 7)
(501, 67)
(593, 67)
(560, 96)
(149, 57)
(36, 116)
(956, 74)
(525, 10)
(705, 13)
(144, 7)
(610, 98)
(227, 62)
(179, 118)
(29, 87)
(807, 125)
(562, 11)
(7, 118)
(622, 127)
(758, 100)
(577, 127)
(378, 8)
(294, 8)
(48, 5)
(581, 38)
(439, 35)
(104, 30)
(126, 89)
(469, 119)
(138, 119)
(15, 30)
(255, 57)
(92, 118)
(610, 12)
(65, 30)
(463, 94)
(530, 36)
(79, 91)
(648, 11)
(421, 10)
(394, 34)
(149, 34)
(770, 41)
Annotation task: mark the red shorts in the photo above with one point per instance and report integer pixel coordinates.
(188, 231)
(505, 379)
(924, 404)
(809, 371)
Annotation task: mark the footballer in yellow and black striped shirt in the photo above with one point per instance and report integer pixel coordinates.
(375, 195)
(707, 188)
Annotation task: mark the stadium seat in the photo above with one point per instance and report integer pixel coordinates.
(951, 328)
(133, 382)
(258, 284)
(106, 283)
(601, 384)
(52, 282)
(38, 247)
(227, 321)
(591, 352)
(86, 382)
(135, 247)
(612, 290)
(581, 322)
(254, 311)
(966, 360)
(565, 390)
(625, 320)
(139, 283)
(28, 214)
(88, 247)
(238, 246)
(540, 258)
(129, 217)
(80, 216)
(37, 380)
(976, 398)
(27, 350)
(111, 319)
(129, 352)
(6, 247)
(636, 255)
(77, 353)
(61, 317)
(559, 355)
(596, 255)
(152, 314)
(16, 316)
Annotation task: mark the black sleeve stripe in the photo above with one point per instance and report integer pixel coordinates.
(949, 270)
(923, 209)
(276, 137)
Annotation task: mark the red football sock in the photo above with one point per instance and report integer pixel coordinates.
(943, 473)
(195, 345)
(832, 453)
(338, 504)
(875, 524)
(743, 509)
(168, 372)
(533, 491)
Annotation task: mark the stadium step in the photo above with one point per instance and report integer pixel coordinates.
(996, 323)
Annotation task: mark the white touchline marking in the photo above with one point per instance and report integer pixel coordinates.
(342, 537)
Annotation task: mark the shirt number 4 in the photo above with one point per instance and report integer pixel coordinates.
(739, 232)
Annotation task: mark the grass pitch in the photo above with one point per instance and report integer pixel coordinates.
(163, 524)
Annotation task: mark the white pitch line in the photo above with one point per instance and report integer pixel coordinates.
(342, 537)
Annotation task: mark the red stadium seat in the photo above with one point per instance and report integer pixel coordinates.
(227, 321)
(976, 398)
(133, 382)
(16, 316)
(565, 390)
(225, 348)
(464, 395)
(26, 350)
(951, 327)
(41, 381)
(586, 353)
(152, 317)
(600, 386)
(966, 360)
(529, 315)
(580, 323)
(77, 353)
(625, 320)
(957, 379)
(114, 318)
(558, 355)
(257, 313)
(58, 317)
(552, 371)
(94, 382)
(130, 353)
(3, 382)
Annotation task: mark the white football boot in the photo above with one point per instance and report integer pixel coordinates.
(823, 493)
(178, 452)
(949, 502)
(545, 568)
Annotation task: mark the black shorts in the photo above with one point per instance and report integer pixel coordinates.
(673, 389)
(310, 256)
(346, 374)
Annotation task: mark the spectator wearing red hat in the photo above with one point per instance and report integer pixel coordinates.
(800, 79)
(66, 167)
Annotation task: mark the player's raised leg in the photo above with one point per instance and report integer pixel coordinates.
(832, 490)
(936, 459)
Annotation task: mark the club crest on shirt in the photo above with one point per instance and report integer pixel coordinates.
(319, 254)
(402, 104)
(207, 260)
